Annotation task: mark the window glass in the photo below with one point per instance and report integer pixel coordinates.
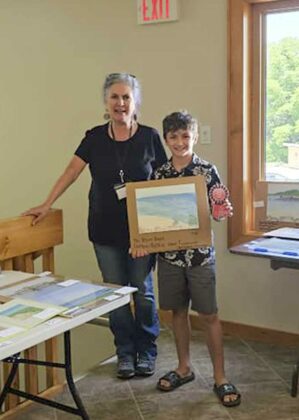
(281, 96)
(263, 116)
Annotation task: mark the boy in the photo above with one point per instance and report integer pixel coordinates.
(190, 274)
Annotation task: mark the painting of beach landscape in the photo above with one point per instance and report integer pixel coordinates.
(167, 208)
(26, 313)
(283, 202)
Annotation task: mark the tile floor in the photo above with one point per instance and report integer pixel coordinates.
(261, 371)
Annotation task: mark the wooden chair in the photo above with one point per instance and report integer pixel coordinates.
(20, 245)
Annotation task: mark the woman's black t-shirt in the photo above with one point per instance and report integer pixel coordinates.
(137, 157)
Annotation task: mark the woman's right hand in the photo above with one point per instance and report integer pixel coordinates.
(70, 174)
(39, 213)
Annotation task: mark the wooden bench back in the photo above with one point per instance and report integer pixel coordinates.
(20, 245)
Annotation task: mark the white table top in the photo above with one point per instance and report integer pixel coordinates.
(52, 328)
(56, 325)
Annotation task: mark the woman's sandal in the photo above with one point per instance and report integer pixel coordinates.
(174, 380)
(227, 389)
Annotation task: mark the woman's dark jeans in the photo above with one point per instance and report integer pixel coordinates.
(133, 334)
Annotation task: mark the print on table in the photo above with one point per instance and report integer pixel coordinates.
(27, 313)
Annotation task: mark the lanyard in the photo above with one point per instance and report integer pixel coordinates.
(121, 158)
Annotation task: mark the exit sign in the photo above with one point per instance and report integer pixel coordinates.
(155, 11)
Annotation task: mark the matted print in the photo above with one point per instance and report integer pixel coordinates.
(169, 214)
(7, 332)
(75, 296)
(27, 313)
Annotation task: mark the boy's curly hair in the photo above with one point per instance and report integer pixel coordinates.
(180, 120)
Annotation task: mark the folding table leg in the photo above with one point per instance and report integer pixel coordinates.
(69, 376)
(9, 379)
(67, 366)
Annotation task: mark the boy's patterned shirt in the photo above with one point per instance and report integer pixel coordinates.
(198, 166)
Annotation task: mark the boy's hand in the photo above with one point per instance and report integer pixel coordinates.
(229, 208)
(137, 253)
(222, 211)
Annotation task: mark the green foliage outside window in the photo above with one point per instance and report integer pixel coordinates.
(282, 98)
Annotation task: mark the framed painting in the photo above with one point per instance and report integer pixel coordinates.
(169, 214)
(276, 205)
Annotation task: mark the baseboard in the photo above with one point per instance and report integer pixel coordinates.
(247, 332)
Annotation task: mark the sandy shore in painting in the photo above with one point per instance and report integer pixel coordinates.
(148, 224)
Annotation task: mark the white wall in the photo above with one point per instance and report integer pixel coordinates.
(54, 56)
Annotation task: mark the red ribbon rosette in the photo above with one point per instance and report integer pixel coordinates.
(218, 195)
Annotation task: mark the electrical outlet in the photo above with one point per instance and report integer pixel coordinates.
(205, 134)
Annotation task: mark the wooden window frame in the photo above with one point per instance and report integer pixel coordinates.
(244, 110)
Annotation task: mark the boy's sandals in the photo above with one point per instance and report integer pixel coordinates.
(174, 380)
(227, 389)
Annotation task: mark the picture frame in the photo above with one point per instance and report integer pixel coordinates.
(168, 214)
(275, 205)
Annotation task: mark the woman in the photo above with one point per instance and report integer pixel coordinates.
(117, 152)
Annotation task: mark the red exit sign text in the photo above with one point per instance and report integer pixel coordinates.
(154, 11)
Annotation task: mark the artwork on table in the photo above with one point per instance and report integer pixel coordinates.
(70, 294)
(169, 214)
(8, 332)
(276, 205)
(26, 313)
(277, 246)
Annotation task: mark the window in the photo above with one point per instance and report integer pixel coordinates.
(263, 116)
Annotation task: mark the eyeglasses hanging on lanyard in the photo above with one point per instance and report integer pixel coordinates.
(121, 158)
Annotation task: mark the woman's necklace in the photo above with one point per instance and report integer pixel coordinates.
(113, 135)
(121, 159)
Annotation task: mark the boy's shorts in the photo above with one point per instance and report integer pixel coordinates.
(179, 285)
